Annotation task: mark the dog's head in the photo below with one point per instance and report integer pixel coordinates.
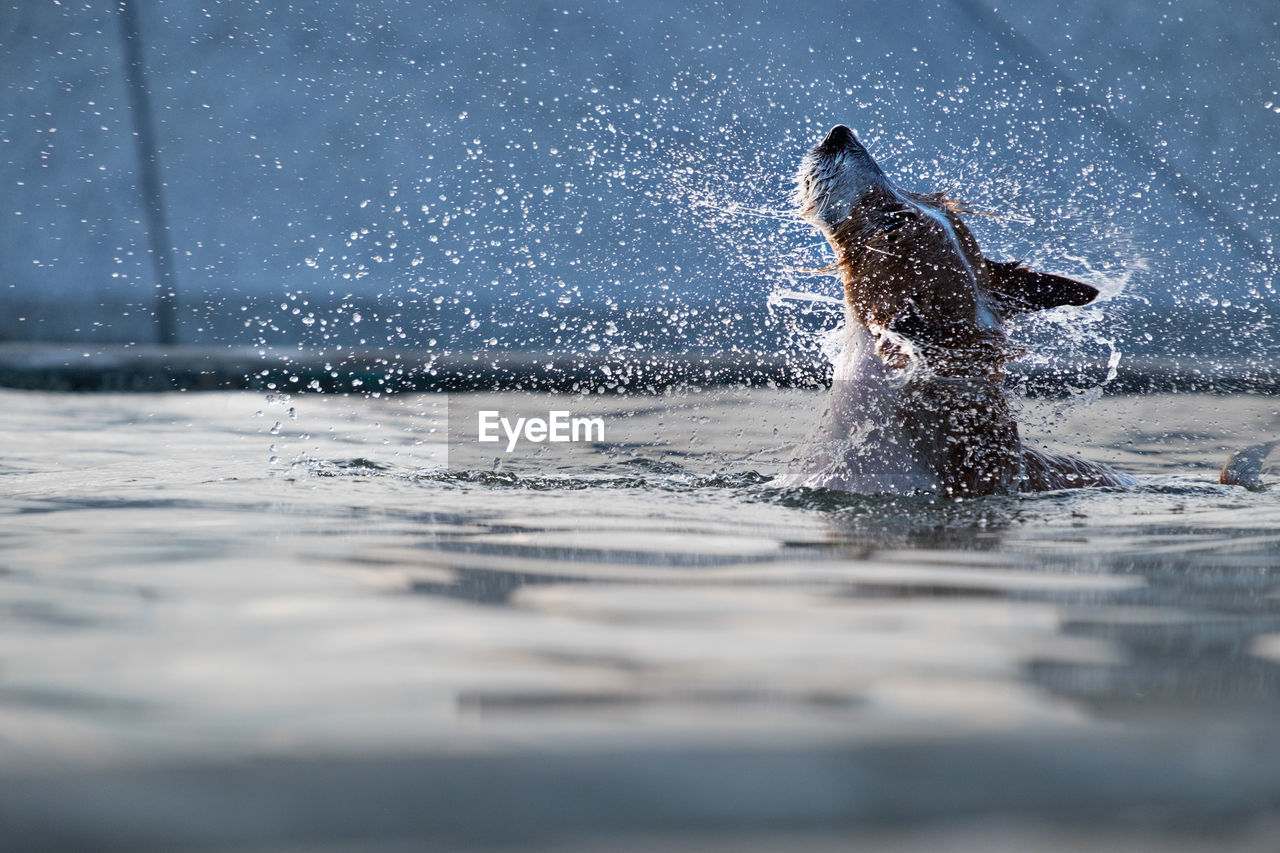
(913, 273)
(835, 176)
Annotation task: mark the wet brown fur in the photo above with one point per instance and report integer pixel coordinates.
(906, 282)
(901, 273)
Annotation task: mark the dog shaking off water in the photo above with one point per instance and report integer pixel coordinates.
(918, 401)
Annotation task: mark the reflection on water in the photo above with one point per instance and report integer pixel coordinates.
(170, 593)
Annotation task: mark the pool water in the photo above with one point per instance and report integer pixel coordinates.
(197, 590)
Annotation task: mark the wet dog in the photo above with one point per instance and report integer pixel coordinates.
(918, 402)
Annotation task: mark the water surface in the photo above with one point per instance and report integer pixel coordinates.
(190, 581)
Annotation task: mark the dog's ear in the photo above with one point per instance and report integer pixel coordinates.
(1017, 290)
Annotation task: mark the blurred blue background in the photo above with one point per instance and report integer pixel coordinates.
(535, 175)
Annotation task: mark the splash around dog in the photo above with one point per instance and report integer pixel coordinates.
(918, 402)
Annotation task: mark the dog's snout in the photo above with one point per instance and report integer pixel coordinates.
(838, 137)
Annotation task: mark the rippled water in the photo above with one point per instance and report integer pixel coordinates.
(188, 579)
